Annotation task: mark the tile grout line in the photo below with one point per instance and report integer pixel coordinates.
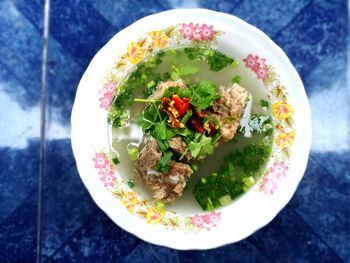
(42, 126)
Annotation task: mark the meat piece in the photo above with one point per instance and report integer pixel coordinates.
(165, 186)
(180, 147)
(228, 109)
(174, 182)
(162, 86)
(149, 156)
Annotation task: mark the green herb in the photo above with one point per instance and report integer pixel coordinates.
(234, 64)
(115, 160)
(201, 146)
(236, 79)
(185, 132)
(163, 132)
(235, 176)
(151, 84)
(163, 165)
(145, 76)
(264, 103)
(159, 205)
(194, 167)
(218, 61)
(186, 116)
(203, 94)
(163, 145)
(171, 52)
(131, 183)
(197, 53)
(185, 70)
(150, 117)
(117, 118)
(225, 200)
(133, 152)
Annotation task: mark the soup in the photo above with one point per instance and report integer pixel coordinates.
(182, 123)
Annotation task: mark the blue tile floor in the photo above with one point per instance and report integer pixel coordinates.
(313, 227)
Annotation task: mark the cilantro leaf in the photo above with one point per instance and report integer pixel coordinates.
(236, 79)
(204, 93)
(149, 117)
(188, 69)
(218, 61)
(203, 147)
(264, 103)
(163, 132)
(185, 70)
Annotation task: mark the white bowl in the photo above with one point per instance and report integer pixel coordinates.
(184, 226)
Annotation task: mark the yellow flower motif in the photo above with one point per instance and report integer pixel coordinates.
(282, 110)
(129, 200)
(135, 53)
(154, 215)
(160, 39)
(285, 139)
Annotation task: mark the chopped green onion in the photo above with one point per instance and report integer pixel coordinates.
(234, 63)
(194, 167)
(151, 84)
(144, 76)
(163, 145)
(131, 183)
(248, 181)
(159, 205)
(163, 166)
(236, 79)
(225, 200)
(133, 152)
(264, 103)
(115, 160)
(187, 116)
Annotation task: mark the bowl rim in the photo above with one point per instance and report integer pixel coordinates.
(307, 133)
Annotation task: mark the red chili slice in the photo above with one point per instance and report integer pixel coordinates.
(182, 105)
(196, 125)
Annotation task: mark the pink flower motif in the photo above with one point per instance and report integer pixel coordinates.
(108, 179)
(206, 221)
(207, 32)
(251, 62)
(187, 30)
(262, 63)
(214, 218)
(269, 186)
(257, 65)
(196, 36)
(100, 160)
(106, 101)
(273, 176)
(197, 220)
(107, 170)
(261, 73)
(110, 88)
(280, 169)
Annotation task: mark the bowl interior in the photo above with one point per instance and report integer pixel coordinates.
(120, 138)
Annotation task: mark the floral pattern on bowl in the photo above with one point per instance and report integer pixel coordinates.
(183, 225)
(282, 118)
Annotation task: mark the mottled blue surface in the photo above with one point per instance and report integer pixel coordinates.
(313, 227)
